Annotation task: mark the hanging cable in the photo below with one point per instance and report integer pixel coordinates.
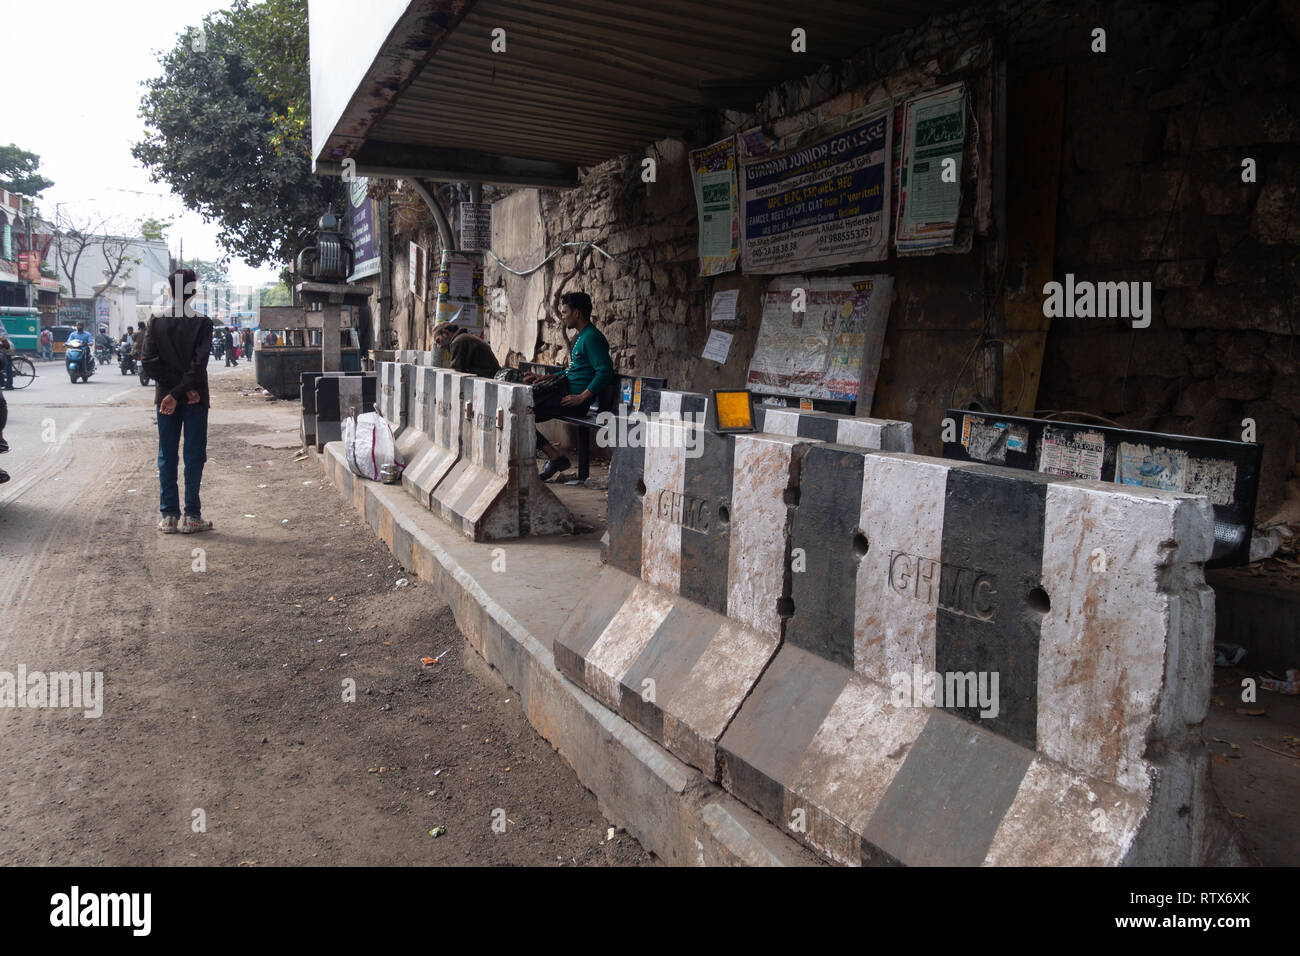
(564, 245)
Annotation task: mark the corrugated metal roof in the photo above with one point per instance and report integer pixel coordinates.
(581, 81)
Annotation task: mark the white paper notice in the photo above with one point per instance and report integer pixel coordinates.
(724, 306)
(718, 347)
(461, 283)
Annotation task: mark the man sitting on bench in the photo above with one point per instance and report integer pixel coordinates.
(469, 353)
(589, 373)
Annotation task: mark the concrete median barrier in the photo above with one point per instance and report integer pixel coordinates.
(491, 489)
(986, 666)
(432, 445)
(338, 395)
(680, 625)
(836, 429)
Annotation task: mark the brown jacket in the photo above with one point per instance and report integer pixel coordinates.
(471, 354)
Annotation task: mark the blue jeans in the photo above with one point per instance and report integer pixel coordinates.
(47, 352)
(193, 420)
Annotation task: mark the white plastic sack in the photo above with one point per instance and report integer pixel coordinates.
(369, 445)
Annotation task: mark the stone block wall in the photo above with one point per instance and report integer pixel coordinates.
(1151, 189)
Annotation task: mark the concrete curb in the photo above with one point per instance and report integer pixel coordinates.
(671, 808)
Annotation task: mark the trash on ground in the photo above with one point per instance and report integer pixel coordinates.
(401, 583)
(437, 831)
(1228, 655)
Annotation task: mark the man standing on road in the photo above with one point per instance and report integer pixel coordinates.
(47, 344)
(590, 371)
(176, 357)
(248, 342)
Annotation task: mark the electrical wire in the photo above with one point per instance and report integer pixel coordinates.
(564, 245)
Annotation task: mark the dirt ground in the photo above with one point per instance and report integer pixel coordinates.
(225, 671)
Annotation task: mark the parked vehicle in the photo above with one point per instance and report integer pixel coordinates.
(79, 361)
(61, 333)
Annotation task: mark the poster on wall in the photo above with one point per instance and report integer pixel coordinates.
(929, 200)
(362, 219)
(713, 171)
(822, 204)
(831, 349)
(461, 292)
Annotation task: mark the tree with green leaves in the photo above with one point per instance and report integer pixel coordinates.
(210, 271)
(278, 294)
(154, 230)
(228, 128)
(18, 172)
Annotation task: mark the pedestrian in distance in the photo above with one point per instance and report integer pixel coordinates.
(228, 346)
(176, 358)
(47, 344)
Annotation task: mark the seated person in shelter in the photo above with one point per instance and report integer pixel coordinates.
(469, 353)
(590, 372)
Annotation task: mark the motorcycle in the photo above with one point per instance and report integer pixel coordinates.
(79, 361)
(126, 361)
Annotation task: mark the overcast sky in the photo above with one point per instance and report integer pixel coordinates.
(74, 69)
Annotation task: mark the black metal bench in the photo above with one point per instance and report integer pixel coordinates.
(622, 391)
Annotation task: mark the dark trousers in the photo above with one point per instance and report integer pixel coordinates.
(192, 421)
(7, 370)
(546, 406)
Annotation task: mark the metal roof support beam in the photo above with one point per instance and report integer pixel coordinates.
(401, 161)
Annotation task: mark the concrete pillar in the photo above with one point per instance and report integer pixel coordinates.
(331, 352)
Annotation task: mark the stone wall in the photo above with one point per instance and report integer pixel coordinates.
(1154, 135)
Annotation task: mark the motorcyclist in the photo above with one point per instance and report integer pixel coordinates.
(83, 339)
(104, 343)
(126, 350)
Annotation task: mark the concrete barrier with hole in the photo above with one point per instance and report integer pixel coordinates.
(986, 666)
(777, 609)
(688, 613)
(493, 491)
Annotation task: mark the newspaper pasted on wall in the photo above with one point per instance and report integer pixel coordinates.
(832, 349)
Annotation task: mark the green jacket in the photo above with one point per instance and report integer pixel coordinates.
(590, 368)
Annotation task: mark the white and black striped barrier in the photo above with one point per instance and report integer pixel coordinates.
(689, 610)
(471, 455)
(330, 397)
(907, 659)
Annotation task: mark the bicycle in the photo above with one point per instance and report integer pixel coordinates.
(24, 371)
